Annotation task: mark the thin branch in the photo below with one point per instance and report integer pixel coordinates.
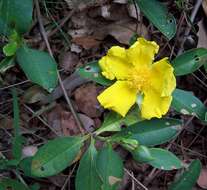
(135, 179)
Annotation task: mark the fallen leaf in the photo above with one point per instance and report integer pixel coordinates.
(87, 122)
(6, 123)
(34, 94)
(123, 31)
(133, 12)
(54, 119)
(75, 48)
(202, 180)
(68, 61)
(86, 100)
(202, 35)
(68, 124)
(204, 5)
(114, 12)
(87, 42)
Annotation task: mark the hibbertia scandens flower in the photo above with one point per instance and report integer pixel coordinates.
(137, 76)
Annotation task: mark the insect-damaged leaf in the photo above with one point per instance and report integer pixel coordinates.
(109, 167)
(55, 156)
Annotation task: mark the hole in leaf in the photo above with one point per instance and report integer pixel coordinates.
(87, 68)
(42, 168)
(196, 58)
(171, 21)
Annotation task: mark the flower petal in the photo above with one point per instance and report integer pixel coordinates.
(162, 78)
(142, 52)
(118, 97)
(154, 105)
(115, 64)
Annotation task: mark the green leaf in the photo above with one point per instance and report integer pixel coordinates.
(158, 14)
(39, 67)
(92, 71)
(10, 49)
(164, 160)
(114, 121)
(25, 166)
(55, 156)
(152, 132)
(17, 145)
(4, 29)
(142, 154)
(18, 139)
(186, 103)
(16, 15)
(6, 64)
(189, 61)
(110, 168)
(188, 179)
(7, 184)
(87, 177)
(3, 164)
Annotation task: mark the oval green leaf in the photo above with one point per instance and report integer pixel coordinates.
(151, 132)
(55, 156)
(39, 67)
(186, 103)
(92, 71)
(12, 184)
(142, 154)
(87, 177)
(188, 179)
(110, 168)
(189, 61)
(16, 15)
(164, 160)
(158, 14)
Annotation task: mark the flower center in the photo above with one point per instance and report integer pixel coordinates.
(139, 78)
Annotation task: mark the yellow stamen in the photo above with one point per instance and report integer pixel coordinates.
(139, 78)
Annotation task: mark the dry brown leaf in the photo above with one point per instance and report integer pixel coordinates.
(87, 122)
(6, 123)
(202, 35)
(133, 11)
(87, 42)
(202, 180)
(86, 100)
(86, 33)
(68, 124)
(114, 12)
(204, 5)
(34, 94)
(54, 119)
(123, 31)
(68, 61)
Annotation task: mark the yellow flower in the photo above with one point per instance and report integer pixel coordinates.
(137, 76)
